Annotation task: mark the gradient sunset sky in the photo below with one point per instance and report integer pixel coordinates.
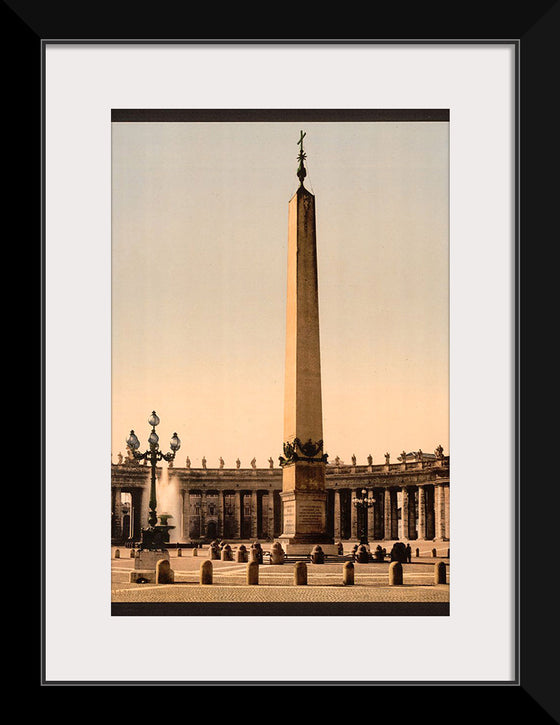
(199, 252)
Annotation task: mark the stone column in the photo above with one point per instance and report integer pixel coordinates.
(370, 523)
(263, 517)
(237, 515)
(196, 503)
(277, 512)
(186, 516)
(405, 514)
(429, 498)
(136, 514)
(421, 513)
(337, 533)
(447, 509)
(181, 522)
(270, 512)
(437, 513)
(378, 527)
(118, 513)
(254, 515)
(412, 533)
(115, 528)
(202, 513)
(387, 514)
(222, 515)
(439, 505)
(353, 516)
(394, 515)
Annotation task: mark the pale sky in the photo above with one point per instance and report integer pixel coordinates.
(199, 245)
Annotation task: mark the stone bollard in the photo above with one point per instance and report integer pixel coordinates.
(362, 554)
(206, 572)
(241, 554)
(277, 555)
(395, 573)
(434, 553)
(300, 573)
(378, 554)
(164, 572)
(256, 553)
(227, 553)
(132, 553)
(253, 572)
(348, 573)
(317, 555)
(179, 552)
(117, 553)
(214, 551)
(440, 574)
(195, 552)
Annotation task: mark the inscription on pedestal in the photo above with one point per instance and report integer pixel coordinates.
(310, 516)
(289, 517)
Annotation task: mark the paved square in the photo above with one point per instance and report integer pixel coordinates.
(276, 582)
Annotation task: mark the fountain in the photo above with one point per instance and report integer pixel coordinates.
(164, 527)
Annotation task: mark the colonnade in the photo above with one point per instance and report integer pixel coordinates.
(405, 512)
(231, 514)
(409, 504)
(398, 512)
(128, 524)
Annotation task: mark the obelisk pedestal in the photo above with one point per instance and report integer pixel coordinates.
(304, 509)
(304, 496)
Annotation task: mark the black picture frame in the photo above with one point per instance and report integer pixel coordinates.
(534, 31)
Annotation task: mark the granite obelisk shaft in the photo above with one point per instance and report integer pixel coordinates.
(303, 416)
(304, 496)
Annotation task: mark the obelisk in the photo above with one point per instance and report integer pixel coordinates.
(304, 496)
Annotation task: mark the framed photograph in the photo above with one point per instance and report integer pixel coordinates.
(114, 111)
(262, 312)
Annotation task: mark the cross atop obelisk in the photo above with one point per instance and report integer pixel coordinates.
(303, 476)
(301, 172)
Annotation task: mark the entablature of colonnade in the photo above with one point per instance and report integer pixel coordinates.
(223, 479)
(123, 476)
(390, 476)
(203, 478)
(380, 476)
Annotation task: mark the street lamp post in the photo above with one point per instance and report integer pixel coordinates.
(363, 501)
(154, 536)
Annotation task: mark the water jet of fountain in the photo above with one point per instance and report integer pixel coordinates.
(169, 503)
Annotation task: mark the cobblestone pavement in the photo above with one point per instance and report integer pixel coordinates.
(276, 582)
